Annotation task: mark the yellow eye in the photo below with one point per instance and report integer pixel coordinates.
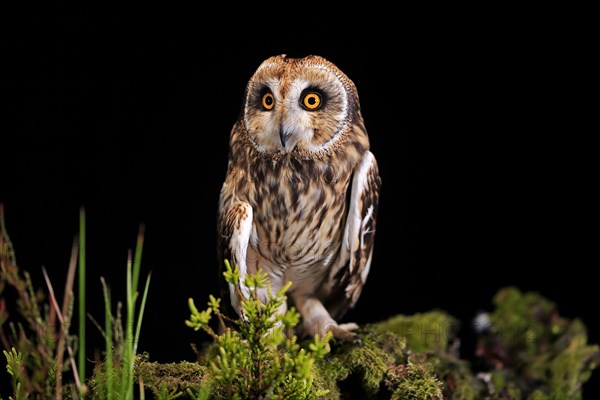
(311, 101)
(268, 101)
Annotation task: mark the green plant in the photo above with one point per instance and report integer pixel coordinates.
(14, 366)
(114, 379)
(34, 330)
(260, 358)
(37, 336)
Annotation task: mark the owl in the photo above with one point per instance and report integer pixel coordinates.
(301, 192)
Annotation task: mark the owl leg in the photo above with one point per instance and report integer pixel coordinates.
(255, 260)
(316, 320)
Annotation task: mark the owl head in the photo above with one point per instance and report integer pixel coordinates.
(302, 105)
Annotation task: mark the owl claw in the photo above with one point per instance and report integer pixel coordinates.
(349, 334)
(342, 333)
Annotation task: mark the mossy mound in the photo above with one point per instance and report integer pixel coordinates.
(525, 350)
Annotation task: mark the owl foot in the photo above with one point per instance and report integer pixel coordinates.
(317, 321)
(346, 332)
(343, 333)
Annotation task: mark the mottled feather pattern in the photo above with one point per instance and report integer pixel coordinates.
(302, 175)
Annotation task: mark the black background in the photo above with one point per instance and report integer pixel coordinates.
(486, 181)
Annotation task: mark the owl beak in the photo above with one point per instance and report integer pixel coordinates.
(284, 135)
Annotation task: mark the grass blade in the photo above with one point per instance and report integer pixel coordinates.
(65, 320)
(82, 308)
(109, 363)
(127, 366)
(141, 315)
(137, 260)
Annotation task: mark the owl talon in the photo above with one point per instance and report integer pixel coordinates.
(345, 335)
(349, 334)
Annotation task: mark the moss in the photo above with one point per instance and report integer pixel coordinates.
(510, 391)
(571, 362)
(538, 395)
(383, 366)
(433, 334)
(367, 363)
(425, 332)
(325, 380)
(530, 346)
(524, 320)
(417, 381)
(459, 381)
(174, 377)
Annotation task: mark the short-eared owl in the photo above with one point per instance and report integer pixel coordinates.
(302, 188)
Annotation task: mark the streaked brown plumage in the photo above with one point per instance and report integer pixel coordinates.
(302, 188)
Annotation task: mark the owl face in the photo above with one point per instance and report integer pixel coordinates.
(303, 104)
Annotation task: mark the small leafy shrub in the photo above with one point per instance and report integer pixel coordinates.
(259, 357)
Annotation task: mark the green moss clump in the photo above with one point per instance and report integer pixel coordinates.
(417, 381)
(527, 352)
(383, 366)
(432, 339)
(425, 332)
(363, 368)
(176, 378)
(531, 346)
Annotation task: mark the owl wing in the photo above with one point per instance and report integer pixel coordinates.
(359, 234)
(235, 227)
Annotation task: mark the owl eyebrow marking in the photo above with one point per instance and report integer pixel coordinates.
(264, 89)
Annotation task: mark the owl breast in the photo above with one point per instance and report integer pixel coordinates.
(299, 211)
